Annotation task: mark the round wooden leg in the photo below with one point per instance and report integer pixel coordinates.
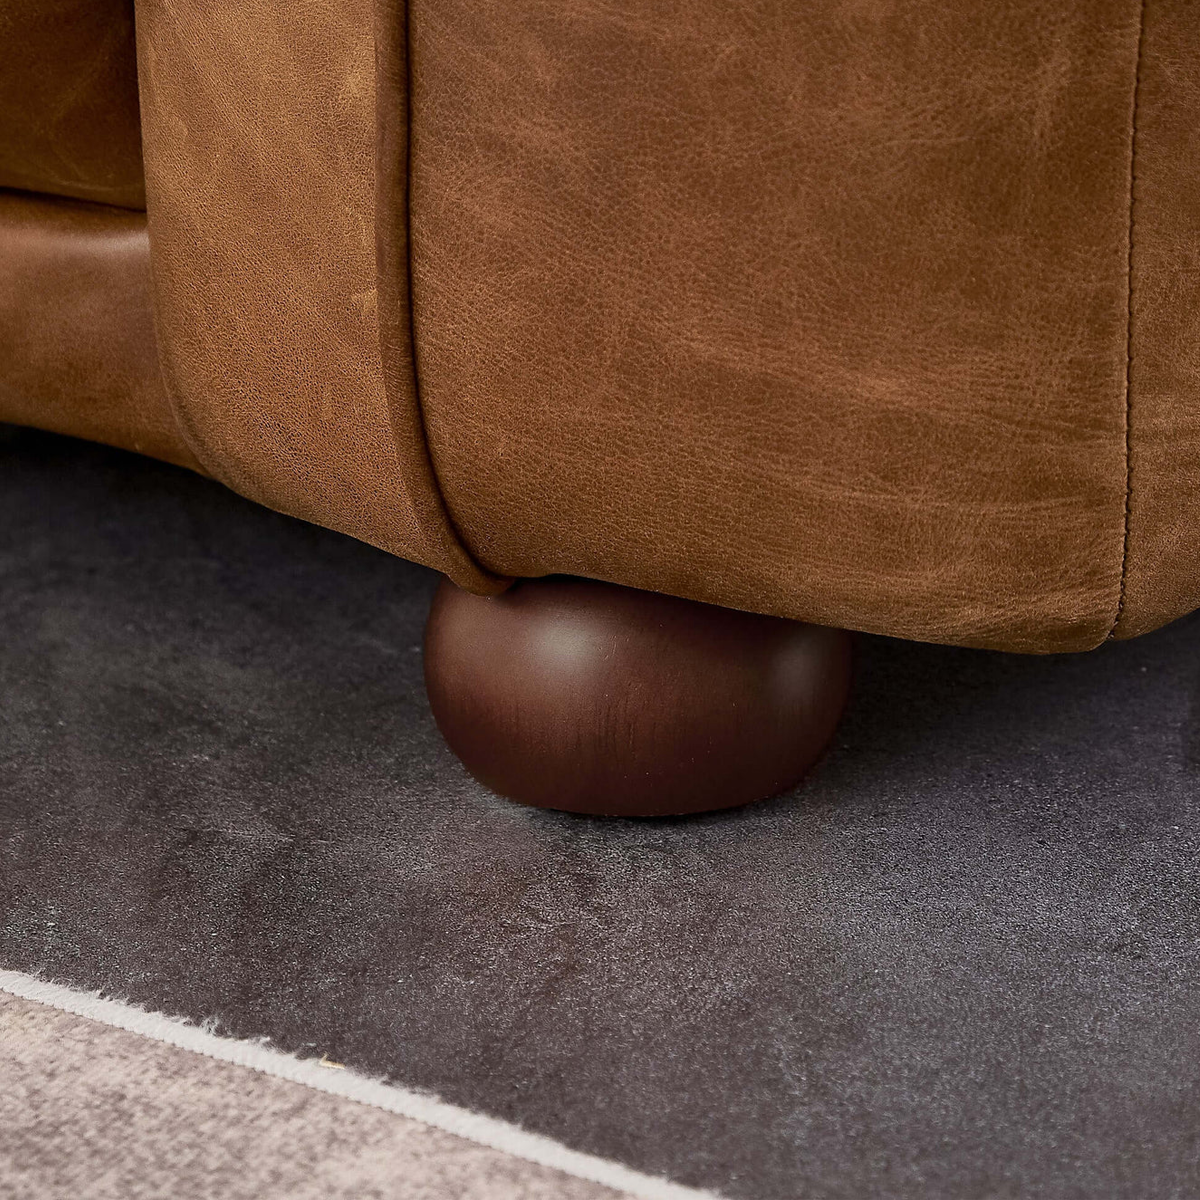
(584, 696)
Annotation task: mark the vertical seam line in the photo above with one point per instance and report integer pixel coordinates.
(418, 396)
(457, 546)
(1133, 147)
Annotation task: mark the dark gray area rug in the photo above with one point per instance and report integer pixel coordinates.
(962, 961)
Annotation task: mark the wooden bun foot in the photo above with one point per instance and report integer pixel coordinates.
(584, 696)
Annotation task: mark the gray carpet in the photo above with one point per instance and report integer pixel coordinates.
(963, 961)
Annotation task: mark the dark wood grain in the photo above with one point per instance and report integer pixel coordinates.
(592, 698)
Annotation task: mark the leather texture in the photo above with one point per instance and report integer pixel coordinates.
(872, 315)
(1163, 563)
(68, 100)
(398, 349)
(260, 139)
(816, 310)
(77, 347)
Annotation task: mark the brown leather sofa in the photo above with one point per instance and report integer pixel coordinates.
(867, 315)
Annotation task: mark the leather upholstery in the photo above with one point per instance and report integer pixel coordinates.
(68, 100)
(260, 142)
(77, 347)
(819, 310)
(874, 315)
(397, 344)
(1163, 561)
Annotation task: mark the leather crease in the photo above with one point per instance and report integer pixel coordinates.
(1137, 83)
(397, 317)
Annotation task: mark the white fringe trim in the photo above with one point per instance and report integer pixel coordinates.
(427, 1109)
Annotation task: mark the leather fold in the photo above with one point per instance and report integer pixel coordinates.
(397, 325)
(261, 146)
(1162, 560)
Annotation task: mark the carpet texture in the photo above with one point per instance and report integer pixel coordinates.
(91, 1111)
(962, 962)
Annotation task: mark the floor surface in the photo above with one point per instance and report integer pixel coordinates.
(962, 961)
(92, 1112)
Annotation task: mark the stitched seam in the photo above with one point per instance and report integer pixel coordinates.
(408, 253)
(1133, 131)
(443, 516)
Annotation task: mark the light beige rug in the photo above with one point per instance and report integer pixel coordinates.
(91, 1108)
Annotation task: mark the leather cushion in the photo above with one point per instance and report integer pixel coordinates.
(819, 310)
(77, 346)
(68, 100)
